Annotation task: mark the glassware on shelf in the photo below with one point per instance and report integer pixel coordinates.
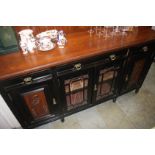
(108, 31)
(117, 30)
(99, 31)
(124, 30)
(91, 31)
(112, 31)
(96, 29)
(105, 32)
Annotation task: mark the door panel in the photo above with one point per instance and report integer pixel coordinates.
(105, 83)
(136, 68)
(36, 102)
(76, 90)
(136, 72)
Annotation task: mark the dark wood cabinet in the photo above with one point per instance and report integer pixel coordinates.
(51, 85)
(53, 94)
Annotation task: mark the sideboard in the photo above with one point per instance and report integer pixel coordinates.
(46, 86)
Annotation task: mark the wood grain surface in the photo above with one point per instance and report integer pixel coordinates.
(80, 45)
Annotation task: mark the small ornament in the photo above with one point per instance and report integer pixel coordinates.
(27, 42)
(61, 39)
(44, 40)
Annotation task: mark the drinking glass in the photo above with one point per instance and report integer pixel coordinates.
(91, 31)
(123, 30)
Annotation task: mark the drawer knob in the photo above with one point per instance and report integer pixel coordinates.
(145, 48)
(112, 57)
(28, 80)
(77, 66)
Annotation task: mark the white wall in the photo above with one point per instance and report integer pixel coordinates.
(7, 119)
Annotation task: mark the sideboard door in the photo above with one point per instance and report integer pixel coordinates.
(75, 89)
(137, 66)
(105, 85)
(34, 103)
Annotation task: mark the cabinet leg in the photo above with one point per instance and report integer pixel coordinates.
(114, 99)
(62, 119)
(137, 90)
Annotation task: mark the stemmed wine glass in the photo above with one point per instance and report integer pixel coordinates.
(98, 31)
(123, 30)
(108, 31)
(91, 31)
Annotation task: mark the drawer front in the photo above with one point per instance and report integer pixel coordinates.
(144, 49)
(90, 63)
(27, 80)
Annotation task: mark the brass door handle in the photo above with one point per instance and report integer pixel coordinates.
(145, 49)
(112, 57)
(28, 80)
(77, 66)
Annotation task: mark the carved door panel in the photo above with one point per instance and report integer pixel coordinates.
(76, 89)
(105, 83)
(36, 102)
(136, 69)
(136, 72)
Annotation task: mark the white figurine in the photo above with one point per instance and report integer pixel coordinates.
(44, 41)
(27, 42)
(61, 39)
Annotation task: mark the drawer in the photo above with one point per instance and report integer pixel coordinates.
(28, 79)
(90, 63)
(145, 48)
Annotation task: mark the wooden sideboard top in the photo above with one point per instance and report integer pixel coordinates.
(80, 45)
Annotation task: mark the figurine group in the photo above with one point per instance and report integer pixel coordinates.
(44, 41)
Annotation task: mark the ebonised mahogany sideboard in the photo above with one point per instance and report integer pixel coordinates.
(46, 86)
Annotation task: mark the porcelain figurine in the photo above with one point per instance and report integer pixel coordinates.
(44, 41)
(61, 39)
(27, 41)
